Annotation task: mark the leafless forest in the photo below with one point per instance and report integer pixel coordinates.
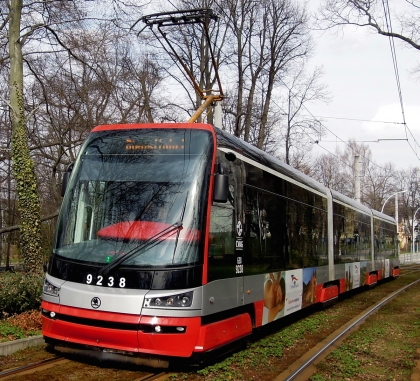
(67, 66)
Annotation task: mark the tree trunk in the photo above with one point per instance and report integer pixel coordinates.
(23, 166)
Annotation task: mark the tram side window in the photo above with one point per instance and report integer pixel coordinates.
(351, 240)
(308, 236)
(352, 231)
(258, 234)
(282, 233)
(385, 243)
(380, 243)
(361, 238)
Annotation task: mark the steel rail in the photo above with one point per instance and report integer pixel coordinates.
(39, 364)
(153, 377)
(23, 368)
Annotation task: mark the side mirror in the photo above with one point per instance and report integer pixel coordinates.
(66, 177)
(220, 188)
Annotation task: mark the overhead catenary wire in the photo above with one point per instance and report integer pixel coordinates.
(388, 24)
(360, 154)
(325, 127)
(321, 124)
(393, 54)
(329, 152)
(358, 120)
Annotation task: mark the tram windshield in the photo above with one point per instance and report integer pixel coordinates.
(137, 198)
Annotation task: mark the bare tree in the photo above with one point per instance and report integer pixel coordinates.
(339, 173)
(401, 23)
(269, 38)
(255, 45)
(379, 182)
(115, 86)
(302, 160)
(332, 172)
(23, 166)
(32, 29)
(409, 179)
(239, 18)
(376, 181)
(298, 127)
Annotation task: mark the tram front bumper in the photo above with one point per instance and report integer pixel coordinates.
(165, 336)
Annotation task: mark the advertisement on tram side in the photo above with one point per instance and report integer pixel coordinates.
(288, 291)
(352, 275)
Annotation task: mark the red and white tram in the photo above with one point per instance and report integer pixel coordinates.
(175, 240)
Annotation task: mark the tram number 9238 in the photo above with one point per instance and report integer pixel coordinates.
(101, 281)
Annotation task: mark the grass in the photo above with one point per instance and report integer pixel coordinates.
(260, 354)
(20, 326)
(11, 332)
(384, 348)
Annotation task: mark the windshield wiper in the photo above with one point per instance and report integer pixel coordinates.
(151, 241)
(181, 221)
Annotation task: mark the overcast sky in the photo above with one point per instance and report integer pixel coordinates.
(360, 75)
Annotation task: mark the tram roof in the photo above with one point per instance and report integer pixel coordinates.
(351, 202)
(383, 216)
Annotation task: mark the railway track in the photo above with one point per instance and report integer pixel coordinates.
(305, 366)
(33, 367)
(29, 370)
(411, 269)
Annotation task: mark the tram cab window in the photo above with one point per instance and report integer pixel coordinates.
(221, 248)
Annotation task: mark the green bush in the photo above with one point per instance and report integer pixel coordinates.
(19, 292)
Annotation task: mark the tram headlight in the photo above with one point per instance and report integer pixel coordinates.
(50, 289)
(181, 300)
(158, 301)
